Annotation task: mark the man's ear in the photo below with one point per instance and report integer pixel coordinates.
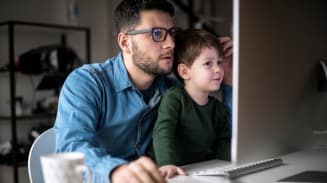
(123, 42)
(183, 71)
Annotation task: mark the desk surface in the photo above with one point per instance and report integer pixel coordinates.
(293, 163)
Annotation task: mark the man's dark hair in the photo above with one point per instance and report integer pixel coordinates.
(127, 13)
(188, 46)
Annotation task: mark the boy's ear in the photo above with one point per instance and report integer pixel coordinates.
(183, 71)
(123, 42)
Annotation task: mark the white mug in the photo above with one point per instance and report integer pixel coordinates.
(65, 168)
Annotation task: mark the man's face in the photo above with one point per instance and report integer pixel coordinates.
(154, 58)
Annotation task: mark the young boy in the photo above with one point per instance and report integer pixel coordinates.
(191, 125)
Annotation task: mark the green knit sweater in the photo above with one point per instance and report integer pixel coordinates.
(186, 132)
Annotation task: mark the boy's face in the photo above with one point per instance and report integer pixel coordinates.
(206, 73)
(153, 57)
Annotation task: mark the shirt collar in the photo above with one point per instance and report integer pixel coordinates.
(121, 78)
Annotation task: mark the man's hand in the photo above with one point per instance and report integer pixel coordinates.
(169, 171)
(227, 44)
(142, 170)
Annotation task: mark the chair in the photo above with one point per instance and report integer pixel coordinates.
(43, 144)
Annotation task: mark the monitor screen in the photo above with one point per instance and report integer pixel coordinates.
(276, 104)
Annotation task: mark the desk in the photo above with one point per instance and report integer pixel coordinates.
(293, 163)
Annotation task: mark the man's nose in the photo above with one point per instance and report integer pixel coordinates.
(169, 42)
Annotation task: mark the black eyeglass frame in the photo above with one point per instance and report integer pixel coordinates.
(172, 31)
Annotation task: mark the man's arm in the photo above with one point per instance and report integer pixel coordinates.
(78, 120)
(77, 126)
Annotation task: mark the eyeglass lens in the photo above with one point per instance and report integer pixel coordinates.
(160, 34)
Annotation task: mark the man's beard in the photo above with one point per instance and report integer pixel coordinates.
(147, 64)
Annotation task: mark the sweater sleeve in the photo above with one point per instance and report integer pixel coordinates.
(223, 143)
(165, 128)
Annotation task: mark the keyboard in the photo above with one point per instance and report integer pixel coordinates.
(239, 170)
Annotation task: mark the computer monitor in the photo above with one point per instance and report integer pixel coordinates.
(276, 104)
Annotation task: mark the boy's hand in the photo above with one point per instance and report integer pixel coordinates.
(169, 171)
(142, 170)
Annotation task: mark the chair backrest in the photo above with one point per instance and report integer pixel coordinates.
(43, 144)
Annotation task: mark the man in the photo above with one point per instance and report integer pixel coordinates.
(107, 110)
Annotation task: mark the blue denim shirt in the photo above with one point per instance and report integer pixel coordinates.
(101, 114)
(228, 101)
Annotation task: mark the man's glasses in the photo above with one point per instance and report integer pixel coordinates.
(158, 34)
